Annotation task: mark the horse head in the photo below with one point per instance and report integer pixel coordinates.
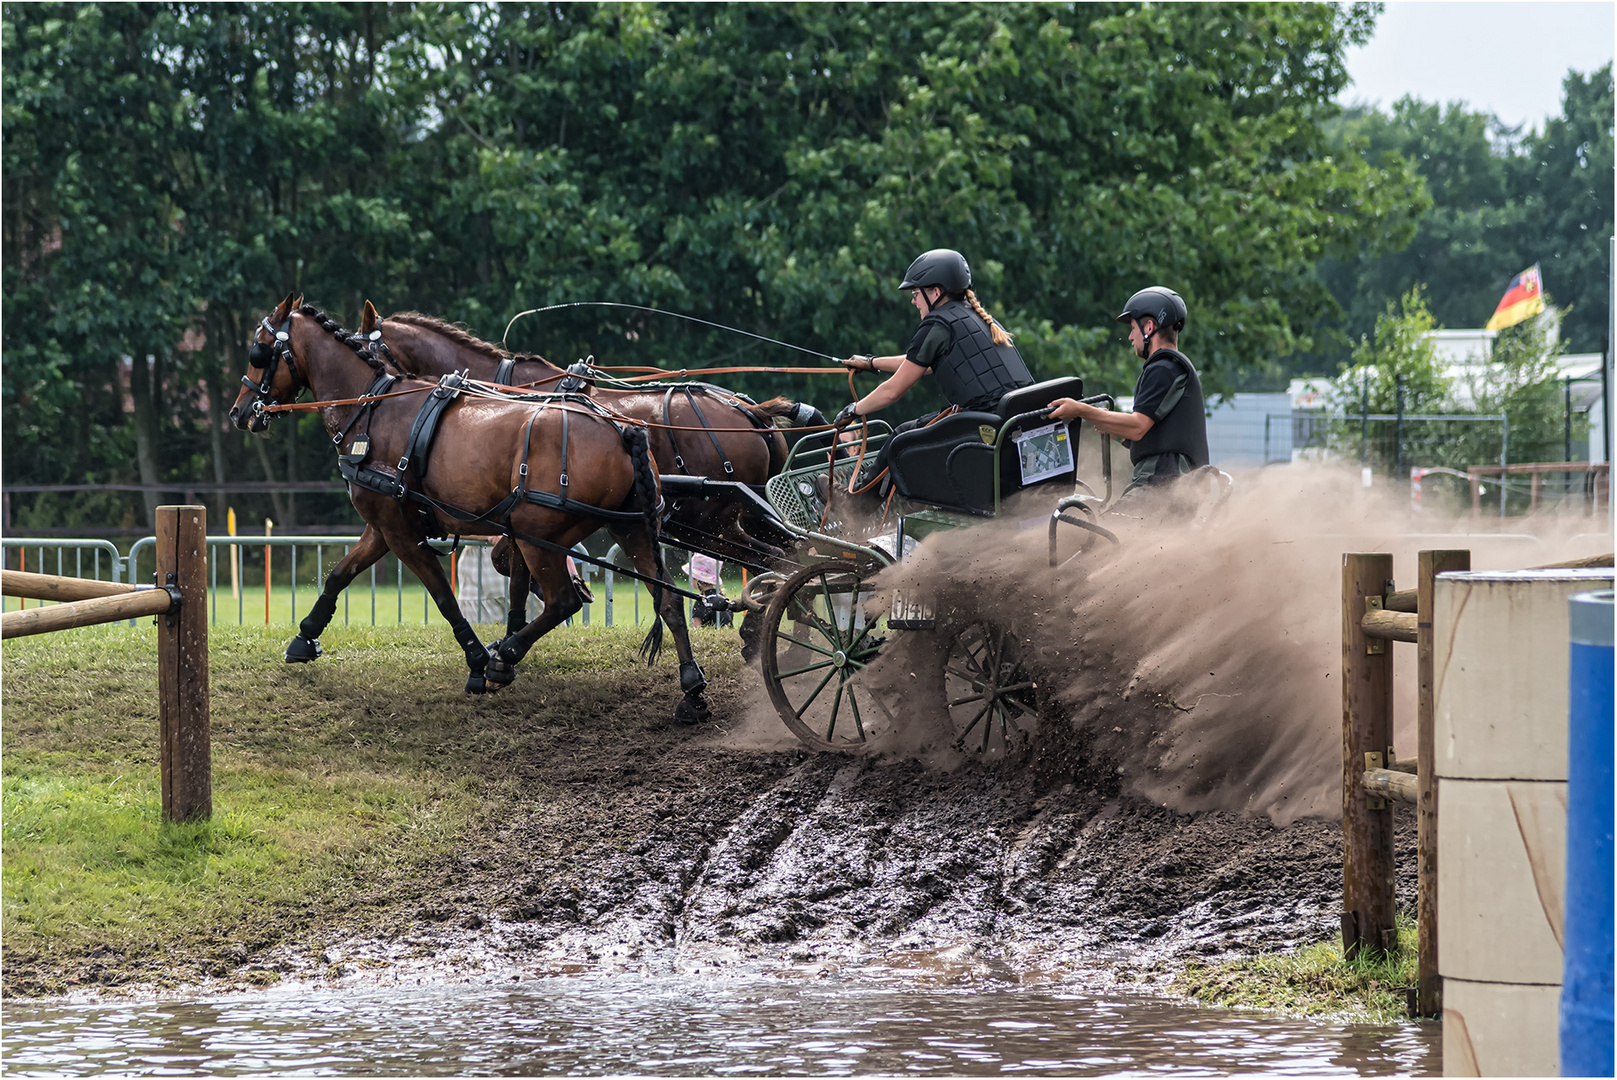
(275, 381)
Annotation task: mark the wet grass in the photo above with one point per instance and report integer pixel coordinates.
(1314, 980)
(330, 780)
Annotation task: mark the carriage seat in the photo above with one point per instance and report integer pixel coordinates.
(951, 463)
(1039, 395)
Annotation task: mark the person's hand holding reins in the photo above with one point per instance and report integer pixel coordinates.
(859, 363)
(849, 413)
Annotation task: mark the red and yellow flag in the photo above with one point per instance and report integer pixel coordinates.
(1523, 300)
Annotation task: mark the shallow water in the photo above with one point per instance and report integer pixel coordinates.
(682, 1025)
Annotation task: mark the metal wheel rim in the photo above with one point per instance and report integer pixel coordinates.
(817, 641)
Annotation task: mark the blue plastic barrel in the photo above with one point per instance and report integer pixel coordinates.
(1586, 985)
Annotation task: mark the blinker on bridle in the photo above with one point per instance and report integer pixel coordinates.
(265, 355)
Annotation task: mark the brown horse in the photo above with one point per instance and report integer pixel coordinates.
(547, 474)
(705, 432)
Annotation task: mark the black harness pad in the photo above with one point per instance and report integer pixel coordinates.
(425, 428)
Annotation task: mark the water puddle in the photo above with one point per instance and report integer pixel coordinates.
(682, 1025)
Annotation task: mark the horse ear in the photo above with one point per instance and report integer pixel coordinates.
(284, 309)
(368, 321)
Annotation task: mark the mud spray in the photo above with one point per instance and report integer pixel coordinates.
(1198, 666)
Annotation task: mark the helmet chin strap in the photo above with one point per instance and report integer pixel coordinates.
(1145, 338)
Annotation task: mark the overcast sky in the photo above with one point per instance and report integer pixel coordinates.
(1507, 58)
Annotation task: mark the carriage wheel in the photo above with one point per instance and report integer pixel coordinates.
(992, 696)
(818, 640)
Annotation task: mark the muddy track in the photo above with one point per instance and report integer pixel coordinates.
(670, 849)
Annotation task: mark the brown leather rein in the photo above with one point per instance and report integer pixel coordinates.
(498, 392)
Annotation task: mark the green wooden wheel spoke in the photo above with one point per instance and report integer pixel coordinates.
(827, 630)
(967, 729)
(809, 645)
(965, 700)
(1017, 686)
(858, 721)
(805, 670)
(831, 609)
(836, 708)
(976, 679)
(803, 708)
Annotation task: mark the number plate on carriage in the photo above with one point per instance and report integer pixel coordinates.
(908, 613)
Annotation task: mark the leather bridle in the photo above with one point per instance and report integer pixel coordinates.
(266, 356)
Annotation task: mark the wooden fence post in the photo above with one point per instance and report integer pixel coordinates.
(1428, 986)
(182, 665)
(1368, 911)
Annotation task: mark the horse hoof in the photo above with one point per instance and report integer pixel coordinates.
(499, 673)
(301, 650)
(476, 684)
(692, 710)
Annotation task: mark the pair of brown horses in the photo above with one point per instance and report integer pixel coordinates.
(546, 474)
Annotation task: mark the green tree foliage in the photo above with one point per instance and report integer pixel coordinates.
(1399, 369)
(1399, 362)
(1501, 201)
(172, 170)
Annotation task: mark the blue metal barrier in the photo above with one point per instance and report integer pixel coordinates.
(1586, 984)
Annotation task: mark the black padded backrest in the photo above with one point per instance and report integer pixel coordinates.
(1039, 395)
(949, 463)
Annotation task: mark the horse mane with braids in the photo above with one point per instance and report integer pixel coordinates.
(347, 337)
(761, 414)
(461, 336)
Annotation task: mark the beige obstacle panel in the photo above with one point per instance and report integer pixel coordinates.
(1500, 674)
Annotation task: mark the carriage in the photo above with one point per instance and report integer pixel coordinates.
(818, 620)
(826, 623)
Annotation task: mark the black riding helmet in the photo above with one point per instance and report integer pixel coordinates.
(943, 267)
(1159, 304)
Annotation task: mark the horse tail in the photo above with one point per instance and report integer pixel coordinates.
(645, 490)
(764, 414)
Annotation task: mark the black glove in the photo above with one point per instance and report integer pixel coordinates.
(849, 413)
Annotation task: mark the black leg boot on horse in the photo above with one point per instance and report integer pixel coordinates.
(306, 645)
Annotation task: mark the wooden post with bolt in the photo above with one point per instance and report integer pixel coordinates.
(185, 738)
(1428, 986)
(1368, 908)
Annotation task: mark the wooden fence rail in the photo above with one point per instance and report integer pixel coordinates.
(1374, 612)
(178, 599)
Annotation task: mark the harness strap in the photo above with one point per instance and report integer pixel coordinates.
(668, 422)
(506, 371)
(564, 451)
(425, 427)
(382, 385)
(690, 395)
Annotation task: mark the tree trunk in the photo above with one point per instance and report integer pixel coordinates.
(216, 438)
(291, 469)
(140, 391)
(276, 499)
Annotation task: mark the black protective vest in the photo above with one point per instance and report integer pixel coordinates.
(1184, 429)
(973, 372)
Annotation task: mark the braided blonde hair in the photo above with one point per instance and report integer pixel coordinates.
(1000, 335)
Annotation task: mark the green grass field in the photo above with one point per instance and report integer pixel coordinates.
(1312, 981)
(333, 782)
